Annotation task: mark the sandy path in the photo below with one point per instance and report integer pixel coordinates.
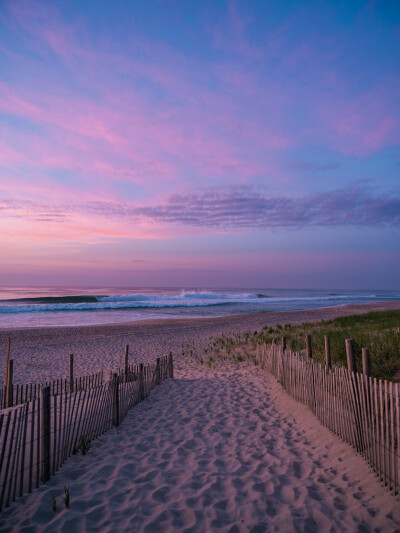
(213, 450)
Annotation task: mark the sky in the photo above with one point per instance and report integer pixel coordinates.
(200, 144)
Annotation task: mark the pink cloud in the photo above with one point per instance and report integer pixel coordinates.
(233, 37)
(142, 140)
(168, 130)
(363, 124)
(43, 23)
(124, 135)
(234, 211)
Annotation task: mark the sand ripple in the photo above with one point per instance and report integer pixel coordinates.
(213, 451)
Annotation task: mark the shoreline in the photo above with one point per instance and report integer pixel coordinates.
(349, 309)
(42, 354)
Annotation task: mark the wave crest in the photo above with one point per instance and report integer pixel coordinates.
(144, 301)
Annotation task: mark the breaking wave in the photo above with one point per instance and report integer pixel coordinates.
(185, 299)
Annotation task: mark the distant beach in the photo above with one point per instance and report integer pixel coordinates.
(42, 353)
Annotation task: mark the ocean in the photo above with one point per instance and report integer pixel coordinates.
(71, 306)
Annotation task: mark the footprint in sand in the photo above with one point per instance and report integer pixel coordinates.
(297, 469)
(287, 494)
(339, 504)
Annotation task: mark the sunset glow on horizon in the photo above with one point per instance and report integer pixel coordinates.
(210, 144)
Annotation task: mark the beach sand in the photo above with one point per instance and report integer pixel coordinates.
(221, 449)
(42, 354)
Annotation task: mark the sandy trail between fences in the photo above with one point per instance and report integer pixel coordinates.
(221, 449)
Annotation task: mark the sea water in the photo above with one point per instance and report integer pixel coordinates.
(66, 306)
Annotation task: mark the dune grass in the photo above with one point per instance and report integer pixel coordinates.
(378, 331)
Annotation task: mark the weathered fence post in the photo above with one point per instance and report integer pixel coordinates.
(263, 355)
(45, 433)
(283, 343)
(115, 399)
(126, 364)
(71, 372)
(352, 368)
(328, 357)
(366, 365)
(351, 360)
(158, 372)
(309, 346)
(9, 399)
(7, 361)
(141, 382)
(311, 394)
(171, 365)
(366, 362)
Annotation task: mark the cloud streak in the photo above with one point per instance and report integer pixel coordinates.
(245, 209)
(237, 209)
(212, 125)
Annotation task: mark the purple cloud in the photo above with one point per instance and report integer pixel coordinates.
(245, 209)
(237, 208)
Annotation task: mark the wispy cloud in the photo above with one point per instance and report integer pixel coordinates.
(42, 23)
(225, 118)
(244, 209)
(236, 209)
(363, 123)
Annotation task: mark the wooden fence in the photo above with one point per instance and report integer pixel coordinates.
(363, 411)
(12, 394)
(38, 436)
(22, 393)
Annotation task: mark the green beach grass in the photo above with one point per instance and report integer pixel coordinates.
(378, 331)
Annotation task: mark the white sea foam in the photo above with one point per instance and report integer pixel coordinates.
(67, 307)
(186, 299)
